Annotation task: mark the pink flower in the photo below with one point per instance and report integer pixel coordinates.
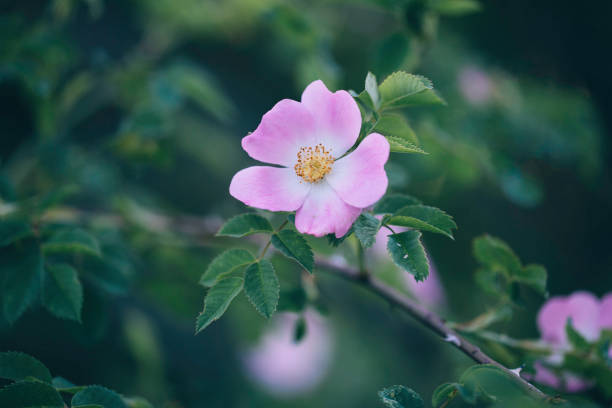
(589, 316)
(286, 368)
(475, 85)
(308, 139)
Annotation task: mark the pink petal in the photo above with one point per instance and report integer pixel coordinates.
(360, 178)
(581, 307)
(288, 126)
(324, 213)
(337, 117)
(605, 312)
(269, 188)
(544, 375)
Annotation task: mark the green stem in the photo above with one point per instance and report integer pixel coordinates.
(265, 248)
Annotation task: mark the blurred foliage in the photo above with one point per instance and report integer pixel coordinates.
(121, 127)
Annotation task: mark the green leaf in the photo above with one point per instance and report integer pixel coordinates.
(399, 134)
(72, 240)
(26, 394)
(21, 269)
(576, 339)
(408, 252)
(371, 87)
(402, 89)
(262, 287)
(106, 274)
(62, 292)
(218, 300)
(393, 124)
(425, 218)
(299, 331)
(137, 402)
(534, 276)
(63, 385)
(366, 228)
(97, 395)
(12, 229)
(454, 7)
(393, 202)
(243, 225)
(399, 396)
(496, 254)
(293, 245)
(17, 366)
(225, 263)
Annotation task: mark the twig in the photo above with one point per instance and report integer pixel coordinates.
(426, 317)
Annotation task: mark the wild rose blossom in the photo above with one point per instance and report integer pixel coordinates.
(309, 139)
(285, 368)
(589, 317)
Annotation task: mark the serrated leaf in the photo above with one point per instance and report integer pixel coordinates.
(424, 218)
(407, 251)
(97, 395)
(399, 396)
(371, 87)
(496, 254)
(21, 269)
(399, 145)
(243, 225)
(12, 229)
(218, 300)
(366, 228)
(27, 394)
(294, 246)
(62, 292)
(17, 366)
(261, 287)
(454, 7)
(401, 89)
(227, 262)
(393, 202)
(72, 241)
(393, 124)
(534, 276)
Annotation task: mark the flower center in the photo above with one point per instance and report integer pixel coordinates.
(313, 163)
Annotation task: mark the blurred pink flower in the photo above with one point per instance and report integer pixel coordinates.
(589, 316)
(475, 85)
(285, 368)
(308, 139)
(430, 291)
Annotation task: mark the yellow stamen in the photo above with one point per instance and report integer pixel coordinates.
(313, 163)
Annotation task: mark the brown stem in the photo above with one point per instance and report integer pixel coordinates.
(426, 317)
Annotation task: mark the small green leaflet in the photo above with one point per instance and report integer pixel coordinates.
(371, 87)
(400, 135)
(12, 229)
(225, 263)
(407, 252)
(218, 300)
(425, 218)
(294, 246)
(243, 225)
(495, 253)
(399, 396)
(72, 240)
(534, 276)
(401, 89)
(97, 395)
(261, 287)
(366, 227)
(29, 394)
(390, 203)
(300, 329)
(17, 366)
(62, 292)
(576, 339)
